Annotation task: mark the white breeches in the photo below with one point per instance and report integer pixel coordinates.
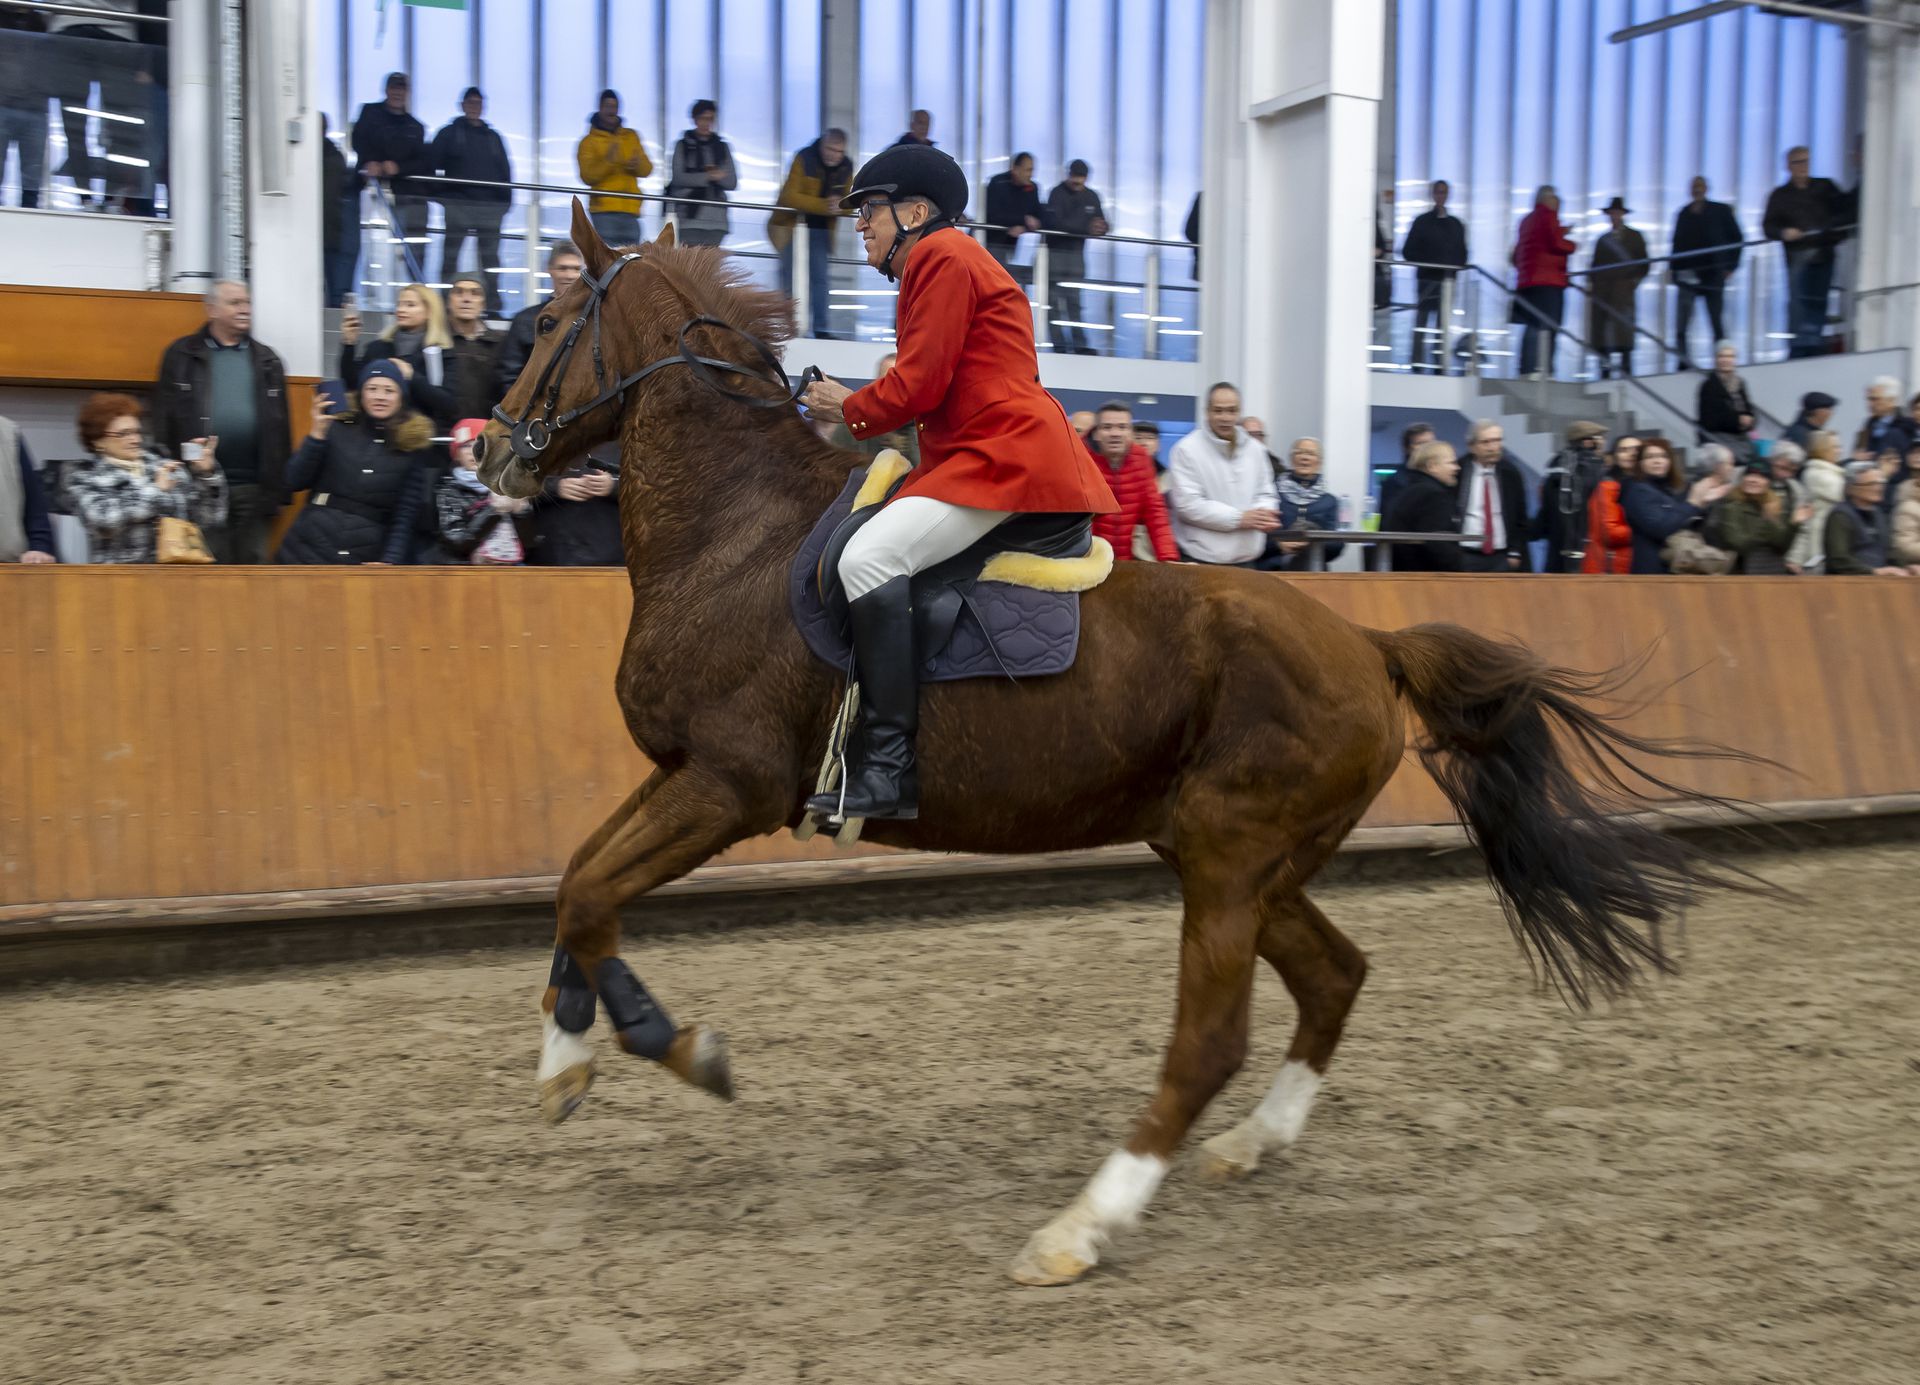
(911, 533)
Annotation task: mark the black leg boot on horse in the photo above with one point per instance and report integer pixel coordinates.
(882, 783)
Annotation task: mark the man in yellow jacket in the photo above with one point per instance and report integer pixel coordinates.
(612, 159)
(816, 181)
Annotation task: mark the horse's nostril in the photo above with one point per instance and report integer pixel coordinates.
(479, 451)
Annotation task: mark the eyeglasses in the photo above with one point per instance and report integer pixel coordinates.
(870, 208)
(124, 434)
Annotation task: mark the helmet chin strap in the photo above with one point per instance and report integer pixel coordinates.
(900, 234)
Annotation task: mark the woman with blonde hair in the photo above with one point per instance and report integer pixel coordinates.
(1826, 486)
(415, 342)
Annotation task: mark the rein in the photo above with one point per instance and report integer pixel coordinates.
(531, 435)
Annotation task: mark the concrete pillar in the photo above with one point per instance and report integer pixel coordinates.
(283, 212)
(1890, 195)
(191, 132)
(1292, 115)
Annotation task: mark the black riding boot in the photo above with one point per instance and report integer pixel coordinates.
(881, 781)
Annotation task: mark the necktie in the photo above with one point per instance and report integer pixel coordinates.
(1486, 502)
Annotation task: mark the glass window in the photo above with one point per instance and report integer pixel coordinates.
(636, 66)
(883, 67)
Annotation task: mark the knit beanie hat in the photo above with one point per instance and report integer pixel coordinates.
(384, 369)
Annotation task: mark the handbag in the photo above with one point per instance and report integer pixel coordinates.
(1685, 552)
(180, 541)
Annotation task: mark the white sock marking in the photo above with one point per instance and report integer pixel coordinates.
(1120, 1191)
(561, 1049)
(1282, 1113)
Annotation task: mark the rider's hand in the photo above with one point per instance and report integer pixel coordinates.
(823, 399)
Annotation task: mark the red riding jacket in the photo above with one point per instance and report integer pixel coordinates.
(990, 437)
(1138, 493)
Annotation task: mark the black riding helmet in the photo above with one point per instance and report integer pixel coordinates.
(911, 170)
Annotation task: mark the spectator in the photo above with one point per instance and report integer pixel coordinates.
(1437, 237)
(1858, 531)
(23, 111)
(126, 86)
(1724, 409)
(366, 474)
(220, 383)
(1609, 538)
(339, 217)
(1222, 492)
(1412, 438)
(612, 159)
(1706, 252)
(1619, 264)
(703, 174)
(1566, 495)
(575, 520)
(1383, 261)
(471, 359)
(1886, 428)
(905, 441)
(1146, 433)
(1492, 496)
(392, 146)
(1192, 232)
(1659, 504)
(470, 148)
(818, 178)
(1540, 254)
(1073, 210)
(476, 526)
(1013, 210)
(1808, 217)
(1129, 473)
(1305, 504)
(1906, 526)
(919, 129)
(26, 525)
(563, 272)
(1826, 486)
(1257, 430)
(1083, 421)
(1426, 505)
(120, 492)
(417, 341)
(1784, 463)
(1816, 411)
(1755, 524)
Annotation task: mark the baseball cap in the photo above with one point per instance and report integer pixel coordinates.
(467, 429)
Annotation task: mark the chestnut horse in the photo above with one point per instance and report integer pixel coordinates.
(1221, 716)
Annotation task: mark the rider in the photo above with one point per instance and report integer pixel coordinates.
(993, 444)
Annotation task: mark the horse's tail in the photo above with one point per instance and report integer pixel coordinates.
(1576, 864)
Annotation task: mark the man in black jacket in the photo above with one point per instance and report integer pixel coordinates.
(1572, 477)
(1013, 209)
(392, 145)
(220, 383)
(339, 218)
(1491, 501)
(1808, 217)
(1706, 252)
(563, 271)
(1437, 237)
(1072, 208)
(471, 148)
(575, 520)
(469, 365)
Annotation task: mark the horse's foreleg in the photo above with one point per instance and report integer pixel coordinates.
(1209, 1044)
(667, 827)
(1323, 971)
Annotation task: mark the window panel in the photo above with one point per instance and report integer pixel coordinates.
(633, 70)
(1036, 88)
(883, 77)
(569, 84)
(800, 108)
(937, 55)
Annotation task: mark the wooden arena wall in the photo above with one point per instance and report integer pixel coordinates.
(177, 732)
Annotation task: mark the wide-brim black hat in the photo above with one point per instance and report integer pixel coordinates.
(911, 170)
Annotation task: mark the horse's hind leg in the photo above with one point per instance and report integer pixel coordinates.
(1209, 1044)
(1323, 970)
(668, 826)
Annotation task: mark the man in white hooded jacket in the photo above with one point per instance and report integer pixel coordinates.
(1221, 489)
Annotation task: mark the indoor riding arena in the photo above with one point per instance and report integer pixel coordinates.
(276, 879)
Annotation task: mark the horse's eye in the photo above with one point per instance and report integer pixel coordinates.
(547, 324)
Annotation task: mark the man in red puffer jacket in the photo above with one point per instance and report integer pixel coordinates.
(1540, 255)
(1129, 472)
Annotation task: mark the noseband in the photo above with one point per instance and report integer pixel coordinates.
(531, 435)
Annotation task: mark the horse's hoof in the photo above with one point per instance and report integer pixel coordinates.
(562, 1093)
(1042, 1268)
(698, 1057)
(1228, 1156)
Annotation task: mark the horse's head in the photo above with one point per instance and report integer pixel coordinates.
(627, 317)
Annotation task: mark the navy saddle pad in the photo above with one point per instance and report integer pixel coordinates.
(963, 627)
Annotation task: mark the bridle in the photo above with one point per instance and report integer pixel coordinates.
(531, 435)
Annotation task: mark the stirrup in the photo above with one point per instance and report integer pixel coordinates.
(832, 778)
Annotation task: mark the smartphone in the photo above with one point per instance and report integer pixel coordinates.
(335, 393)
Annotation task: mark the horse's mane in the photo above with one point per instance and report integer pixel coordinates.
(711, 286)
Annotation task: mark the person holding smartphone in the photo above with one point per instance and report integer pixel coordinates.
(122, 489)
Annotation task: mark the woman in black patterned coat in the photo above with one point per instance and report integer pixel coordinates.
(121, 491)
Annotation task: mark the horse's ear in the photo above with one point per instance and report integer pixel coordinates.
(665, 239)
(586, 237)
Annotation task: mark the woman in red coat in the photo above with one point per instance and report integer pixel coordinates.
(993, 444)
(1540, 255)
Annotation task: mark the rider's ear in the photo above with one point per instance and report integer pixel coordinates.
(593, 250)
(665, 239)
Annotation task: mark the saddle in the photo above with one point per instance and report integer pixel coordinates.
(1008, 606)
